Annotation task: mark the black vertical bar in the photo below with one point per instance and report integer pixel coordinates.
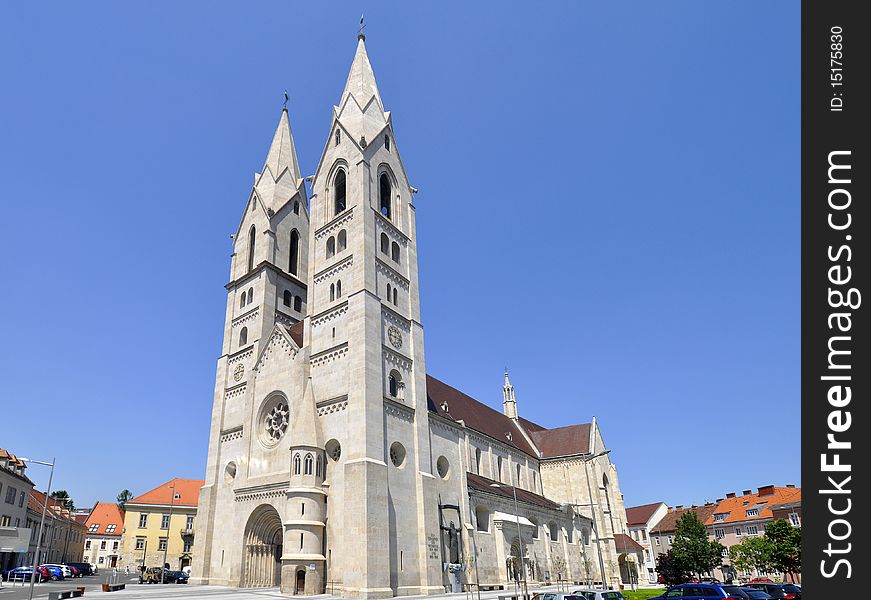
(835, 228)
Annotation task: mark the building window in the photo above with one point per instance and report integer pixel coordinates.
(738, 532)
(752, 512)
(384, 195)
(554, 531)
(164, 521)
(102, 544)
(389, 293)
(794, 520)
(110, 528)
(309, 461)
(100, 560)
(338, 136)
(331, 247)
(387, 142)
(385, 243)
(297, 304)
(296, 207)
(393, 384)
(114, 545)
(250, 295)
(94, 527)
(656, 539)
(87, 544)
(5, 521)
(288, 298)
(670, 539)
(242, 301)
(143, 521)
(243, 336)
(394, 252)
(499, 468)
(339, 289)
(719, 533)
(719, 518)
(724, 553)
(341, 240)
(585, 536)
(339, 193)
(188, 545)
(294, 251)
(478, 461)
(189, 524)
(482, 517)
(752, 530)
(517, 481)
(161, 545)
(252, 240)
(21, 500)
(332, 292)
(318, 467)
(11, 492)
(297, 464)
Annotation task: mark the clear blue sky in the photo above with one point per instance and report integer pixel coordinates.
(609, 206)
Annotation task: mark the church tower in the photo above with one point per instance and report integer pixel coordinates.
(509, 402)
(367, 350)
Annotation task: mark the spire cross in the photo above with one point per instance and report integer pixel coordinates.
(286, 98)
(360, 34)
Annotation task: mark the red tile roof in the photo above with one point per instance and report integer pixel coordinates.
(668, 523)
(624, 543)
(563, 441)
(13, 465)
(54, 510)
(476, 415)
(187, 490)
(736, 508)
(296, 332)
(104, 515)
(484, 484)
(639, 515)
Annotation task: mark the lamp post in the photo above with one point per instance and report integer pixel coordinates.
(519, 537)
(41, 520)
(168, 530)
(595, 529)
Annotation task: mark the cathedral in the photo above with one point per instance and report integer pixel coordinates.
(335, 463)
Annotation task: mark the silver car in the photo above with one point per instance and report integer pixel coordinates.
(588, 594)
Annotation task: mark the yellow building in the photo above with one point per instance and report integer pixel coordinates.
(161, 522)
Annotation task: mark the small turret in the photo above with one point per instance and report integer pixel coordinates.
(509, 402)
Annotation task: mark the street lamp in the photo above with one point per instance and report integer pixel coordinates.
(41, 520)
(595, 529)
(168, 530)
(519, 537)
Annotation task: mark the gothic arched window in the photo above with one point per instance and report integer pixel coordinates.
(288, 298)
(478, 461)
(517, 481)
(385, 243)
(393, 384)
(384, 195)
(340, 191)
(387, 142)
(250, 295)
(294, 251)
(251, 242)
(554, 531)
(389, 293)
(296, 207)
(338, 136)
(243, 336)
(331, 247)
(297, 303)
(242, 301)
(297, 464)
(394, 252)
(318, 466)
(499, 468)
(332, 292)
(395, 301)
(339, 289)
(308, 464)
(341, 240)
(482, 517)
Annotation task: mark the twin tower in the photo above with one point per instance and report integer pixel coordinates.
(309, 484)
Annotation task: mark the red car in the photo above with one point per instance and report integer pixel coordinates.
(760, 580)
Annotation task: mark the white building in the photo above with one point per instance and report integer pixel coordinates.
(104, 527)
(640, 521)
(335, 462)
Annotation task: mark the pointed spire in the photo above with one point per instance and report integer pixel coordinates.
(361, 79)
(304, 428)
(282, 152)
(509, 402)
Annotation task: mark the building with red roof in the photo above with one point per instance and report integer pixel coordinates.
(103, 528)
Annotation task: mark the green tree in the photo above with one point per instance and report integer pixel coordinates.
(64, 499)
(753, 553)
(692, 548)
(785, 543)
(671, 569)
(123, 498)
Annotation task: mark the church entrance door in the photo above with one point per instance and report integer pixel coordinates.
(262, 552)
(300, 582)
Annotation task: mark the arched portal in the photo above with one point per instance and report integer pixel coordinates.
(300, 582)
(262, 552)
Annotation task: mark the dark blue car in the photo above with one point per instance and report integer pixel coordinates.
(56, 573)
(24, 574)
(703, 591)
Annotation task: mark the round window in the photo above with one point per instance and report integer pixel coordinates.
(397, 454)
(334, 450)
(443, 467)
(230, 472)
(274, 418)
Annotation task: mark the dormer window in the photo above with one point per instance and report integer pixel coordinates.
(720, 517)
(752, 512)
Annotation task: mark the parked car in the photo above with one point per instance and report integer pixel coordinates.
(555, 596)
(757, 595)
(83, 567)
(735, 592)
(791, 588)
(153, 575)
(176, 577)
(761, 580)
(25, 573)
(68, 572)
(55, 573)
(775, 590)
(698, 591)
(589, 594)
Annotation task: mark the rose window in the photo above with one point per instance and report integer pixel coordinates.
(275, 421)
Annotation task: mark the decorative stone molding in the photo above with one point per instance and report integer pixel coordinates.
(249, 316)
(284, 319)
(234, 433)
(327, 356)
(400, 411)
(395, 319)
(235, 391)
(259, 496)
(243, 355)
(279, 343)
(333, 405)
(442, 423)
(346, 217)
(396, 359)
(395, 276)
(335, 269)
(329, 315)
(390, 228)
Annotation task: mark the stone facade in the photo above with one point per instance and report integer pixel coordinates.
(15, 487)
(335, 462)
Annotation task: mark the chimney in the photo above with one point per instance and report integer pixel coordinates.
(790, 485)
(746, 492)
(766, 490)
(730, 495)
